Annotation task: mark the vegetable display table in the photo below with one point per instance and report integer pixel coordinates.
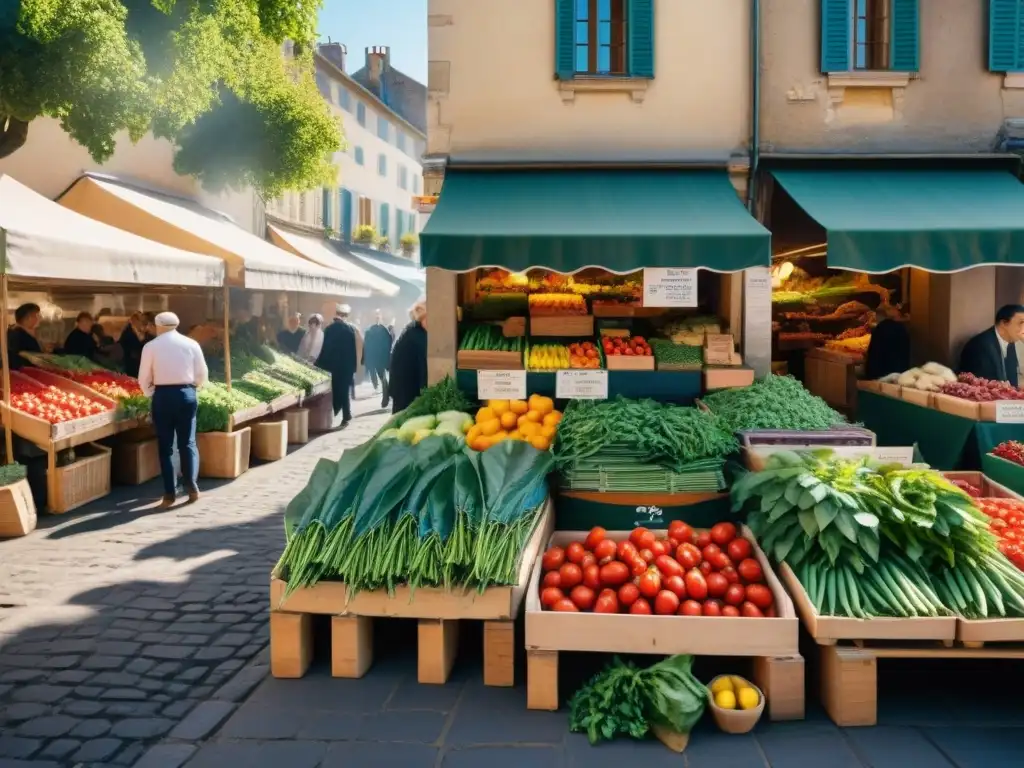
(681, 387)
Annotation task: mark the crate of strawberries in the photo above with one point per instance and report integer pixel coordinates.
(678, 590)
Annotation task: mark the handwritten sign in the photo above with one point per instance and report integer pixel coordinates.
(894, 455)
(501, 385)
(670, 287)
(581, 385)
(649, 517)
(1010, 412)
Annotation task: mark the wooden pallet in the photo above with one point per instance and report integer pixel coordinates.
(437, 611)
(771, 643)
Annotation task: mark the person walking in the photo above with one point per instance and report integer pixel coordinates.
(377, 356)
(409, 360)
(80, 341)
(313, 341)
(289, 338)
(171, 369)
(340, 357)
(21, 337)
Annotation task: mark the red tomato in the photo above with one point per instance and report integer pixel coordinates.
(676, 586)
(646, 540)
(688, 556)
(635, 535)
(710, 551)
(629, 594)
(565, 605)
(731, 610)
(666, 603)
(605, 551)
(571, 575)
(712, 608)
(703, 539)
(717, 584)
(759, 595)
(625, 550)
(738, 549)
(730, 575)
(723, 533)
(696, 586)
(751, 611)
(553, 559)
(582, 597)
(614, 574)
(550, 596)
(735, 594)
(750, 571)
(552, 579)
(595, 537)
(606, 603)
(640, 606)
(659, 548)
(647, 555)
(592, 576)
(650, 583)
(638, 565)
(671, 544)
(720, 561)
(680, 531)
(668, 566)
(690, 608)
(575, 552)
(705, 568)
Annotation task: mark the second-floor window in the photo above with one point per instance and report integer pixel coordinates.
(403, 177)
(415, 184)
(361, 114)
(346, 100)
(382, 128)
(401, 140)
(869, 35)
(358, 152)
(604, 38)
(600, 37)
(382, 165)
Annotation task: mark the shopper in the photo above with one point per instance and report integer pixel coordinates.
(996, 353)
(171, 370)
(108, 352)
(339, 357)
(21, 337)
(377, 356)
(133, 338)
(889, 349)
(409, 360)
(313, 340)
(290, 337)
(80, 341)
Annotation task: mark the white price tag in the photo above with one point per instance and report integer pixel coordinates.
(1010, 412)
(501, 385)
(894, 455)
(670, 287)
(581, 385)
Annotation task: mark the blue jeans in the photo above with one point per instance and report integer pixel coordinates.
(174, 416)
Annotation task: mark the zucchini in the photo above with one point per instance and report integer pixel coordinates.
(979, 594)
(810, 583)
(830, 590)
(852, 593)
(991, 592)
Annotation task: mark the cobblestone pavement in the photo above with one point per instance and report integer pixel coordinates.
(131, 637)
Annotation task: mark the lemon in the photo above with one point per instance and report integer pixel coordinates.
(725, 700)
(721, 684)
(748, 698)
(738, 682)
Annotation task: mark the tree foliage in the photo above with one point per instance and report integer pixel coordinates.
(208, 75)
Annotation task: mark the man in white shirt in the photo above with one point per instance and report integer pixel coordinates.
(172, 368)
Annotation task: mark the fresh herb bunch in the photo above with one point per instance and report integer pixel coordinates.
(775, 402)
(441, 397)
(12, 473)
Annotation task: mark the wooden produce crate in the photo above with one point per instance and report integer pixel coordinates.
(270, 440)
(869, 385)
(890, 390)
(437, 610)
(224, 455)
(249, 414)
(17, 510)
(284, 402)
(565, 326)
(321, 413)
(728, 378)
(320, 388)
(514, 327)
(629, 362)
(917, 396)
(830, 378)
(135, 462)
(772, 642)
(68, 433)
(956, 406)
(614, 310)
(298, 426)
(87, 479)
(480, 360)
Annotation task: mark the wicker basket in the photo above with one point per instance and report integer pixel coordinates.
(135, 463)
(321, 413)
(86, 480)
(224, 455)
(270, 440)
(17, 510)
(298, 426)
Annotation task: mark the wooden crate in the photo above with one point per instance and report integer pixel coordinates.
(17, 510)
(956, 406)
(135, 462)
(87, 479)
(830, 379)
(298, 426)
(774, 641)
(482, 360)
(321, 413)
(629, 362)
(566, 326)
(890, 390)
(917, 397)
(284, 402)
(270, 440)
(224, 455)
(870, 385)
(437, 611)
(727, 378)
(249, 414)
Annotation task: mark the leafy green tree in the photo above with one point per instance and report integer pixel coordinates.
(208, 75)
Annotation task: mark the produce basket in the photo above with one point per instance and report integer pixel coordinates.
(564, 325)
(41, 432)
(224, 455)
(956, 406)
(17, 510)
(85, 480)
(135, 462)
(736, 721)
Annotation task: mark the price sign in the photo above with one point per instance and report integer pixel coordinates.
(1010, 412)
(581, 385)
(894, 455)
(501, 385)
(670, 287)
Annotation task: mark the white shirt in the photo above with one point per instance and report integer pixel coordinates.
(172, 360)
(311, 344)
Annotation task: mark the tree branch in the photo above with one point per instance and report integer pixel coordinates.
(13, 135)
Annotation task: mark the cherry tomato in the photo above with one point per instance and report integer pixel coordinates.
(668, 566)
(574, 553)
(730, 575)
(650, 583)
(690, 608)
(571, 575)
(628, 594)
(712, 608)
(705, 568)
(595, 537)
(676, 586)
(635, 535)
(759, 595)
(703, 539)
(731, 611)
(723, 533)
(565, 605)
(688, 556)
(717, 584)
(592, 576)
(552, 579)
(605, 551)
(735, 594)
(666, 603)
(582, 597)
(720, 561)
(606, 603)
(696, 586)
(638, 566)
(751, 611)
(553, 559)
(640, 606)
(738, 549)
(550, 596)
(614, 574)
(750, 571)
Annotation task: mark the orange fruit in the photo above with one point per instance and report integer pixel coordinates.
(500, 437)
(552, 419)
(516, 435)
(473, 434)
(498, 406)
(490, 427)
(529, 428)
(540, 442)
(485, 414)
(481, 444)
(534, 402)
(518, 407)
(534, 416)
(547, 405)
(508, 420)
(548, 432)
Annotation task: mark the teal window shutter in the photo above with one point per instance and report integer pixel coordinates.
(565, 41)
(905, 53)
(346, 215)
(1005, 18)
(385, 219)
(836, 24)
(399, 224)
(641, 37)
(328, 202)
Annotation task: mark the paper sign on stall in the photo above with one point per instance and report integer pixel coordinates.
(501, 385)
(1010, 412)
(890, 454)
(581, 385)
(887, 454)
(667, 287)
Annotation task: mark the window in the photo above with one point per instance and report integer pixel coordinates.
(1005, 37)
(327, 206)
(415, 184)
(365, 212)
(361, 114)
(382, 165)
(600, 37)
(869, 36)
(399, 225)
(359, 155)
(346, 215)
(346, 100)
(401, 140)
(385, 220)
(604, 39)
(403, 177)
(383, 128)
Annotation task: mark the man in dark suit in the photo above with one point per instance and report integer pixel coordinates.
(339, 357)
(992, 354)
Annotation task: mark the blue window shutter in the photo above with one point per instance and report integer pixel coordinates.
(905, 53)
(565, 41)
(346, 215)
(641, 37)
(385, 218)
(328, 202)
(836, 24)
(1005, 19)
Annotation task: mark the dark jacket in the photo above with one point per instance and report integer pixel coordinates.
(289, 340)
(19, 340)
(377, 343)
(889, 350)
(983, 357)
(338, 354)
(408, 366)
(80, 343)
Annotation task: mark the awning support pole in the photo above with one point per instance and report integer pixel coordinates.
(227, 336)
(8, 440)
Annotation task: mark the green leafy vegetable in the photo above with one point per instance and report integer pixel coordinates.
(775, 402)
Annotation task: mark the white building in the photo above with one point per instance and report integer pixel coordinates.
(380, 168)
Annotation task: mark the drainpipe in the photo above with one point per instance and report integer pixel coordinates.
(755, 98)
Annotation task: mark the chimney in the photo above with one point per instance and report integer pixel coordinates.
(378, 60)
(334, 53)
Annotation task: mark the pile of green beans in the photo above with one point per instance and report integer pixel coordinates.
(775, 402)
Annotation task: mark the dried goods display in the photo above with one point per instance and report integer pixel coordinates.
(970, 387)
